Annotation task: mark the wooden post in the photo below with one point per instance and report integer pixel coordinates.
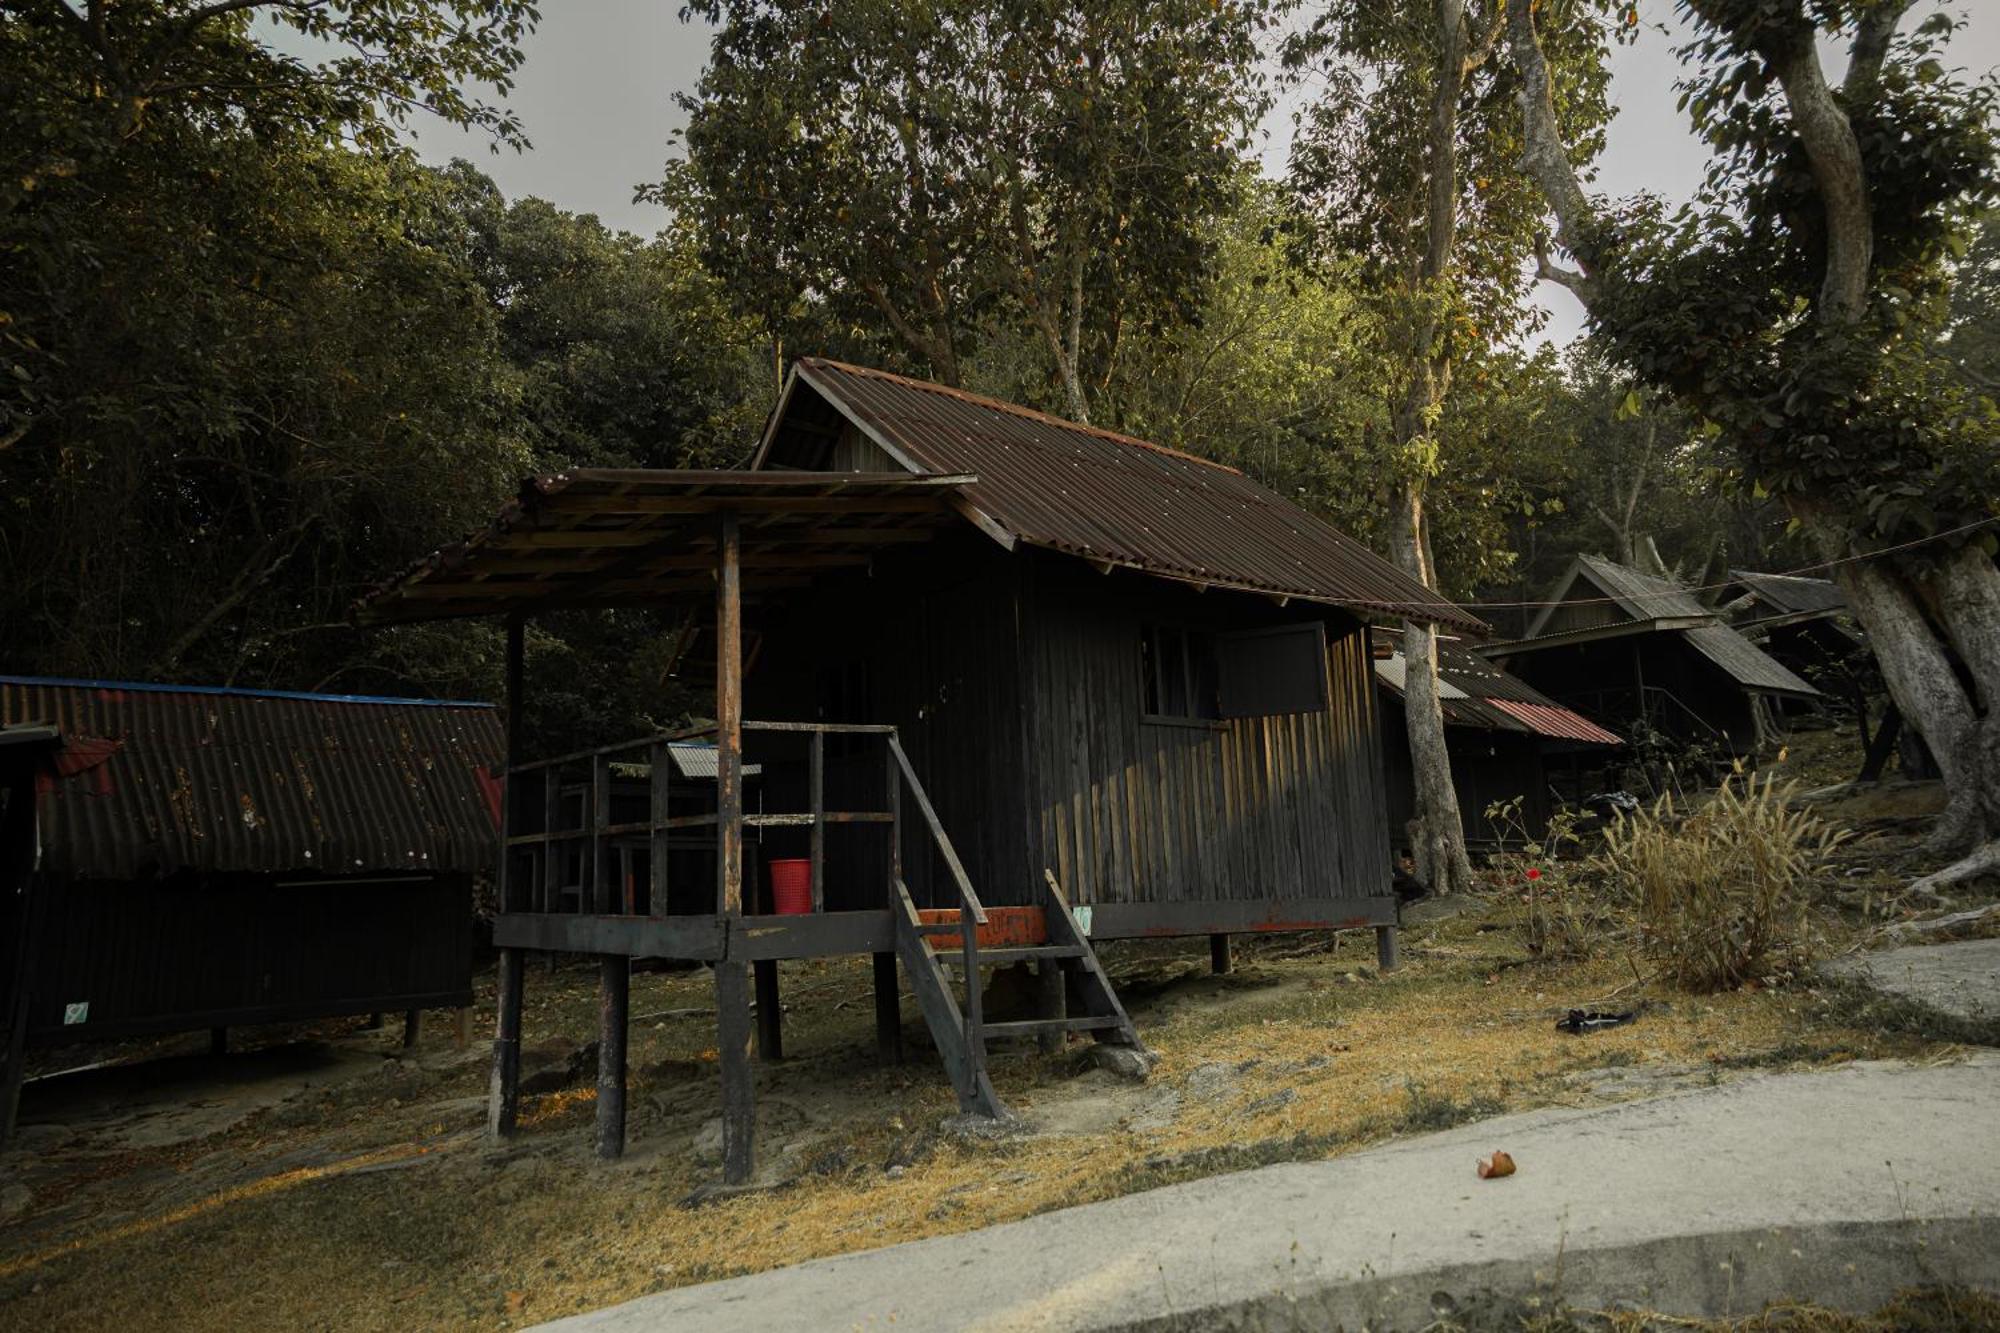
(461, 1027)
(1385, 948)
(613, 1007)
(739, 1096)
(1218, 955)
(503, 1103)
(375, 1021)
(893, 795)
(732, 981)
(552, 851)
(770, 1017)
(660, 785)
(1051, 1002)
(888, 1010)
(413, 1027)
(816, 780)
(600, 895)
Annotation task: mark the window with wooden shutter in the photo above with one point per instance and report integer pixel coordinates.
(1261, 672)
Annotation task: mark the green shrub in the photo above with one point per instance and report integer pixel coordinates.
(1721, 891)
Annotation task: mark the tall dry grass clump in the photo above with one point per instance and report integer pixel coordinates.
(1722, 891)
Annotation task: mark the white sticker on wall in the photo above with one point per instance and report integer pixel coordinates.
(1082, 915)
(77, 1012)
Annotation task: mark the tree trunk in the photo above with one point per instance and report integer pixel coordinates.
(1889, 600)
(1437, 834)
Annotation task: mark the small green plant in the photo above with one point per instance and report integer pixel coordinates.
(1721, 890)
(1567, 917)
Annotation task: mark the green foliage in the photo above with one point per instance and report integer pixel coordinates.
(1722, 891)
(1722, 304)
(932, 168)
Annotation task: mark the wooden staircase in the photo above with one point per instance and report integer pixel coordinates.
(931, 950)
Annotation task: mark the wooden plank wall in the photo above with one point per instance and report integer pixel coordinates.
(1135, 810)
(1014, 680)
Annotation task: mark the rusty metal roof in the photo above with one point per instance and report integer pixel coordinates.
(154, 779)
(621, 537)
(1474, 692)
(1107, 497)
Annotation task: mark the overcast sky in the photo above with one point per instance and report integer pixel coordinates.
(596, 96)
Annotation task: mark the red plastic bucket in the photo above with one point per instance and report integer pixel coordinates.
(791, 885)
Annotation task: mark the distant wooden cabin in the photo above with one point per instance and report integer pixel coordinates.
(1509, 744)
(1625, 648)
(1801, 622)
(183, 858)
(1019, 686)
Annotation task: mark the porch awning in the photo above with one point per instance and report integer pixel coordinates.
(599, 537)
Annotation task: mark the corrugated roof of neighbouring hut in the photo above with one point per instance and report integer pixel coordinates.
(1791, 594)
(155, 779)
(1476, 693)
(1111, 498)
(1656, 605)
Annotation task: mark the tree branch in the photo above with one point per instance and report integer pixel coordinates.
(1832, 152)
(1871, 46)
(1542, 155)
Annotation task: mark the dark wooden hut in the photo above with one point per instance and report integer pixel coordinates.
(1019, 686)
(1628, 649)
(186, 858)
(1509, 743)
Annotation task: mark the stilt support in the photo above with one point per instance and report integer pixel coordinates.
(614, 998)
(1051, 1002)
(503, 1102)
(1218, 954)
(770, 1015)
(888, 1010)
(1385, 948)
(413, 1027)
(375, 1021)
(739, 1095)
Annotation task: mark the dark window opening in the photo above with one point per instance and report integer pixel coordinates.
(1178, 672)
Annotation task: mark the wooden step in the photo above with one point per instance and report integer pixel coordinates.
(998, 957)
(1028, 1027)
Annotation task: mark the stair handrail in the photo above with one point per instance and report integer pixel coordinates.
(968, 900)
(971, 916)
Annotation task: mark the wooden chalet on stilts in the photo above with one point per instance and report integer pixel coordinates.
(1017, 686)
(1627, 648)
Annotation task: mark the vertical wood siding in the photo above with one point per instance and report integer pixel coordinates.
(1014, 679)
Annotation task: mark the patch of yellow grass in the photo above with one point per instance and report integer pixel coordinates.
(541, 1230)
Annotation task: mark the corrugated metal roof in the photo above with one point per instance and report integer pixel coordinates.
(1113, 498)
(1556, 722)
(155, 779)
(1641, 596)
(1789, 594)
(637, 536)
(1749, 665)
(1476, 693)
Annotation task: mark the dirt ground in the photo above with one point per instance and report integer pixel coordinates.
(321, 1176)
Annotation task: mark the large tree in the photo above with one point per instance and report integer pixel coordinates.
(1793, 303)
(935, 167)
(1403, 157)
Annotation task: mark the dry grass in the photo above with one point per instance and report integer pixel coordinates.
(1722, 891)
(376, 1207)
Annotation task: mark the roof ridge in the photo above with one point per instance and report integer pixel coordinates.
(233, 692)
(1016, 409)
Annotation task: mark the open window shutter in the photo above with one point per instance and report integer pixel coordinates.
(1266, 671)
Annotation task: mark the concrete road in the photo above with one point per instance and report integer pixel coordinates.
(1840, 1186)
(1961, 978)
